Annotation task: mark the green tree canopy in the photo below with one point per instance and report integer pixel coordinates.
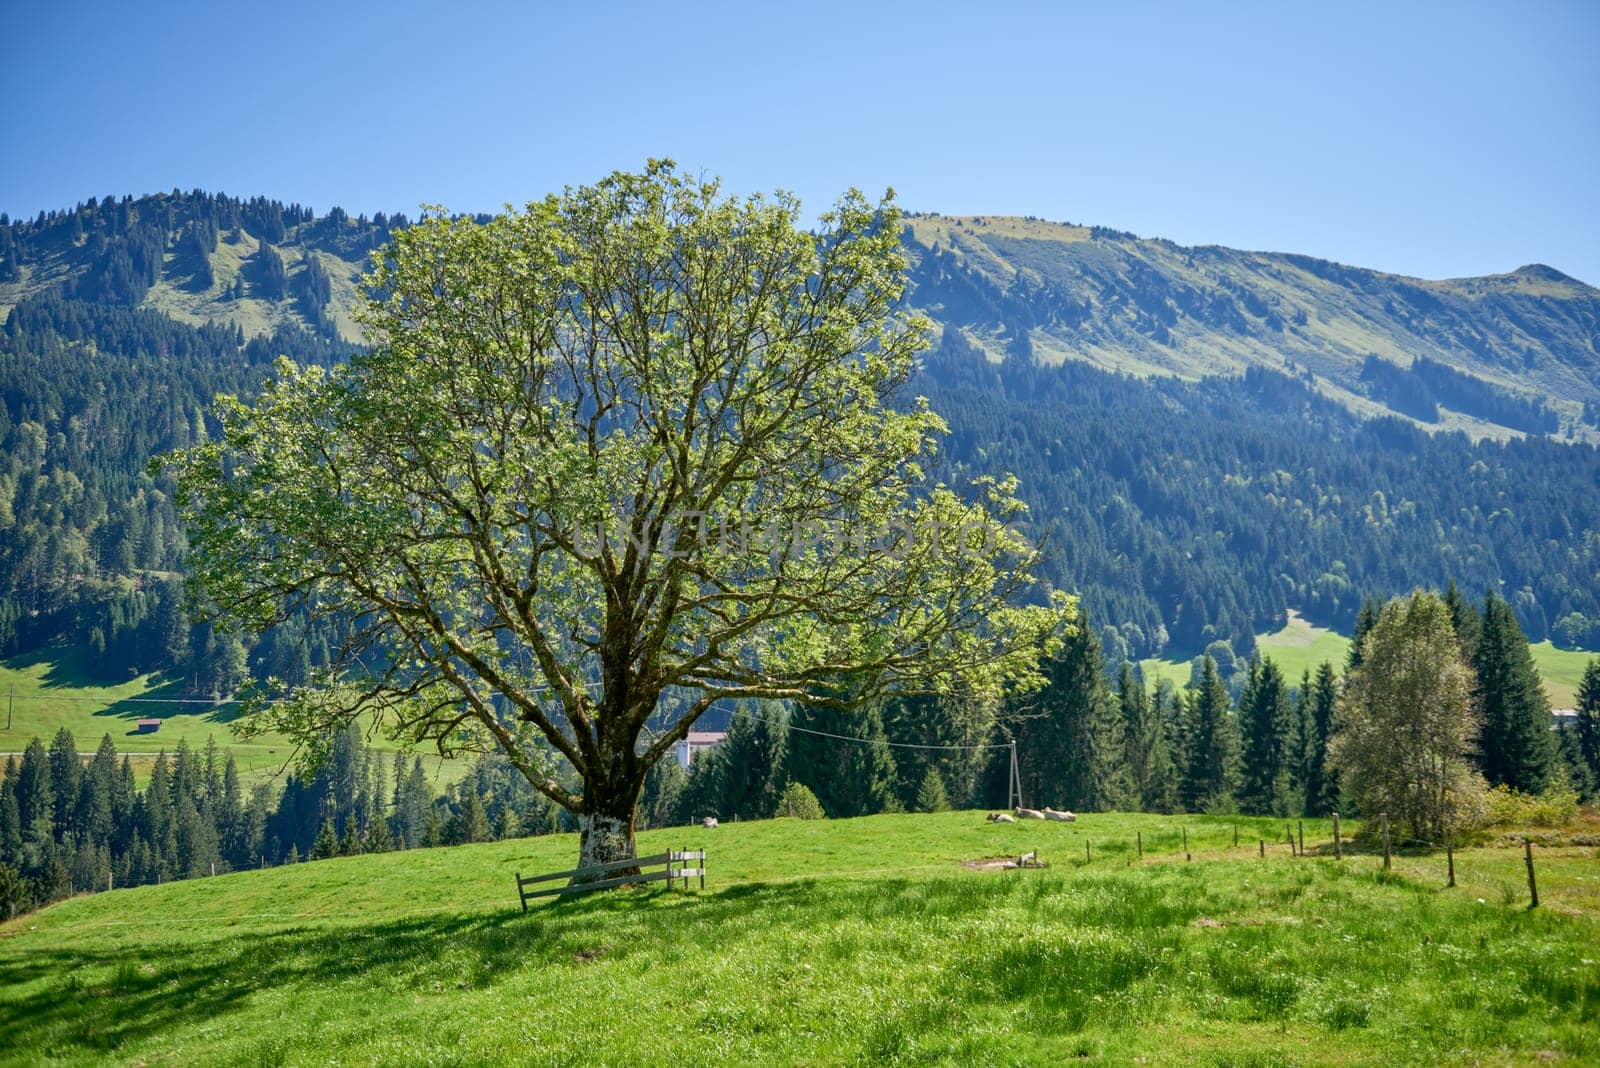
(1406, 721)
(639, 437)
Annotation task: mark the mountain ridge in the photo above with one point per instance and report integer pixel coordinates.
(1054, 291)
(1013, 285)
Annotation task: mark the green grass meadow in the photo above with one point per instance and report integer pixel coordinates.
(832, 942)
(51, 690)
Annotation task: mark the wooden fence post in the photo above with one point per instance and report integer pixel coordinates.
(1385, 818)
(1186, 839)
(1086, 857)
(1139, 838)
(1290, 832)
(1302, 824)
(1533, 887)
(1263, 849)
(1450, 857)
(1338, 846)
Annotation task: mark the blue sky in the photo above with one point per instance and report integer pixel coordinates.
(1432, 139)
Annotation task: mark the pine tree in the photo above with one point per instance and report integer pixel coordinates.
(474, 821)
(1149, 756)
(849, 778)
(1211, 774)
(350, 842)
(1166, 784)
(957, 721)
(66, 772)
(1464, 620)
(35, 803)
(377, 839)
(94, 814)
(327, 844)
(1366, 619)
(10, 817)
(1072, 749)
(749, 764)
(1515, 748)
(931, 796)
(1321, 786)
(663, 785)
(1587, 728)
(1264, 721)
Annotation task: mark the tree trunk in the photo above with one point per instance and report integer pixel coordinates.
(606, 826)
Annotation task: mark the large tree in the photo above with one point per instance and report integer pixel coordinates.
(1406, 721)
(638, 439)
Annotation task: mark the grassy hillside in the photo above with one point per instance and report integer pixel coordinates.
(899, 954)
(1300, 646)
(1562, 670)
(1153, 307)
(50, 690)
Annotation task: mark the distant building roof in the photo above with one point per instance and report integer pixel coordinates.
(149, 723)
(696, 742)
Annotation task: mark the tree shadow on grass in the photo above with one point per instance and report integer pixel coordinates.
(92, 1001)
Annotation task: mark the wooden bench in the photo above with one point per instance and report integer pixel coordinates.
(672, 864)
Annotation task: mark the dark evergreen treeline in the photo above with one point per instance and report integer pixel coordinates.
(1421, 389)
(70, 826)
(1096, 739)
(1187, 513)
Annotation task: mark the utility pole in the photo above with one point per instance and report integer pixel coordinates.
(1014, 789)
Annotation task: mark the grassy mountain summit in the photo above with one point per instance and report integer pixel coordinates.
(1053, 292)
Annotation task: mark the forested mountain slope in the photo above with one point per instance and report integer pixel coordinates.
(1189, 503)
(1510, 352)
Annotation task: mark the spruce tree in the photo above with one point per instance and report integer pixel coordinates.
(327, 843)
(1149, 757)
(931, 796)
(94, 814)
(1264, 720)
(1587, 728)
(1515, 748)
(1321, 787)
(1166, 782)
(1366, 619)
(474, 821)
(849, 778)
(35, 803)
(1072, 749)
(750, 763)
(66, 773)
(1464, 620)
(1211, 774)
(10, 817)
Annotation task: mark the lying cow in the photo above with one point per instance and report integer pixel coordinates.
(1029, 814)
(709, 822)
(1062, 817)
(1000, 817)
